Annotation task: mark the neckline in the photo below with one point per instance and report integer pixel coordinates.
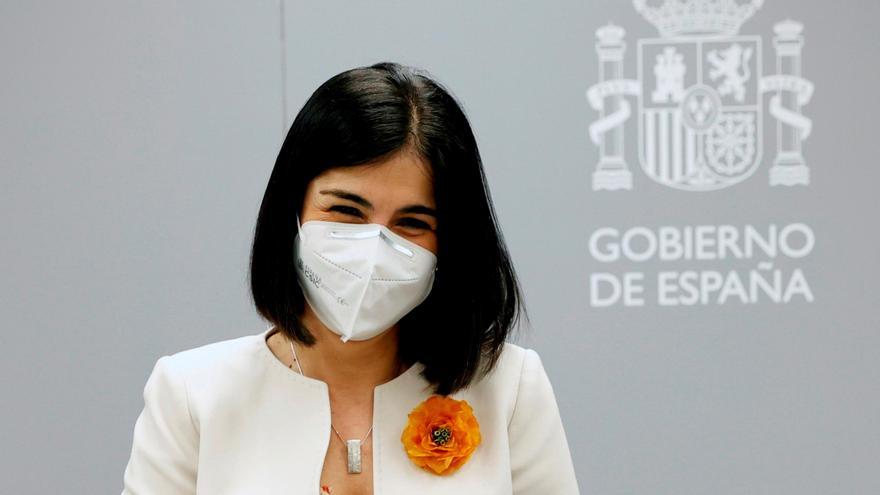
(314, 382)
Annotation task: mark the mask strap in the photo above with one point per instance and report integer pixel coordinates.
(396, 245)
(373, 233)
(341, 234)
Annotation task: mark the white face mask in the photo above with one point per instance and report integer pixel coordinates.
(360, 279)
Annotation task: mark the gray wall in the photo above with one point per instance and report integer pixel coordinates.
(137, 139)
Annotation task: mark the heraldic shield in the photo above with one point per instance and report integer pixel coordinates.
(700, 110)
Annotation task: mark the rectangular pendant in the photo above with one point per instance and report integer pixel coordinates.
(354, 455)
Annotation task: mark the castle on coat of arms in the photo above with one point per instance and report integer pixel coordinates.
(700, 93)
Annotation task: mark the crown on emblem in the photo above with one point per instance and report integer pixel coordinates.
(698, 17)
(610, 34)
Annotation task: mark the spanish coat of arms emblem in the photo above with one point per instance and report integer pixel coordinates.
(700, 93)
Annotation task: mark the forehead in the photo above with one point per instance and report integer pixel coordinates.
(404, 177)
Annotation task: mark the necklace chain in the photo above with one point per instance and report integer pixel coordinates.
(296, 358)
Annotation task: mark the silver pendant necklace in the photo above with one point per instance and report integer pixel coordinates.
(353, 445)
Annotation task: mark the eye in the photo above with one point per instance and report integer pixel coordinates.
(347, 210)
(412, 222)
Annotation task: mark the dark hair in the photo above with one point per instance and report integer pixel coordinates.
(363, 115)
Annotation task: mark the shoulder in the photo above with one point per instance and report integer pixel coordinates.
(513, 360)
(222, 361)
(516, 374)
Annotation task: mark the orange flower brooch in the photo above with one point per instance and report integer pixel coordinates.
(441, 434)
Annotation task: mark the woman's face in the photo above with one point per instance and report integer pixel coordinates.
(397, 193)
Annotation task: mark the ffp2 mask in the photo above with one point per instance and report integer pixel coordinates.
(360, 279)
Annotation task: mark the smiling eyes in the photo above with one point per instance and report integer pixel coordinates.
(406, 221)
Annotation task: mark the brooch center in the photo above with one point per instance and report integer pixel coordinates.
(441, 435)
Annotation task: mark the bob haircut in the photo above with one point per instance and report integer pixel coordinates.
(361, 116)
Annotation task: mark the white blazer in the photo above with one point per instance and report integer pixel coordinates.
(229, 418)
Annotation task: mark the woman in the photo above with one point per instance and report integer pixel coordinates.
(378, 261)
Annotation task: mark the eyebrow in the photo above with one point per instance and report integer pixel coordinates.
(415, 208)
